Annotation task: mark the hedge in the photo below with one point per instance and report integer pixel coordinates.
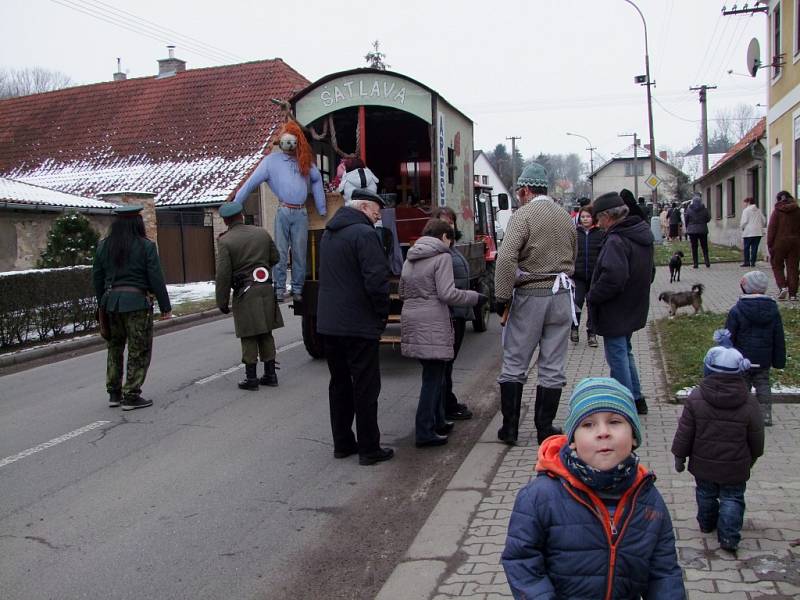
(45, 303)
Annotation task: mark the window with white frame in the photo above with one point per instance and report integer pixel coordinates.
(776, 40)
(639, 168)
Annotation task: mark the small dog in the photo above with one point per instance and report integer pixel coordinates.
(675, 266)
(693, 298)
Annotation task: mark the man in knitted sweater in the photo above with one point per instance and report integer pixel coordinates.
(532, 290)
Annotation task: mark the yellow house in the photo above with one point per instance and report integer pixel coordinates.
(783, 96)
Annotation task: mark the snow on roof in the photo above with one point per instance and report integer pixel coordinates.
(191, 138)
(23, 193)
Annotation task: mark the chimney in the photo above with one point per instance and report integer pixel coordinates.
(171, 66)
(662, 154)
(119, 75)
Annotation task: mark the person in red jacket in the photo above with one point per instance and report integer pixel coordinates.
(783, 244)
(722, 434)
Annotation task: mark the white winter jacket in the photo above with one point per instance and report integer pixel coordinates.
(752, 222)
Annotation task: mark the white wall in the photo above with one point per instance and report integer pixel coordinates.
(612, 178)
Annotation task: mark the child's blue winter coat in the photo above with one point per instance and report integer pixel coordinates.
(563, 544)
(757, 330)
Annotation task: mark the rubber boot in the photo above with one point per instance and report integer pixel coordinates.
(547, 400)
(269, 378)
(250, 382)
(766, 413)
(641, 406)
(510, 405)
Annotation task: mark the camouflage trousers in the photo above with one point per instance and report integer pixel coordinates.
(258, 345)
(134, 329)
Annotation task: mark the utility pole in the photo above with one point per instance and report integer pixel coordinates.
(704, 121)
(513, 166)
(635, 137)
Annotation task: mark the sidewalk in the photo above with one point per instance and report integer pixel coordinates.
(768, 564)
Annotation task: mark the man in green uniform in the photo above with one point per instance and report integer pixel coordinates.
(246, 254)
(126, 272)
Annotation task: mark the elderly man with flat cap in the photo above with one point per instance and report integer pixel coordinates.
(353, 307)
(245, 257)
(619, 297)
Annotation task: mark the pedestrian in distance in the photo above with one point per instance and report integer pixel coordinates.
(783, 244)
(756, 330)
(357, 176)
(459, 315)
(590, 238)
(619, 296)
(245, 258)
(127, 273)
(697, 218)
(352, 311)
(427, 289)
(592, 524)
(533, 293)
(289, 173)
(752, 224)
(721, 433)
(675, 219)
(663, 219)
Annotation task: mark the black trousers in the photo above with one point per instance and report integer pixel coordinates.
(703, 239)
(450, 400)
(581, 290)
(354, 364)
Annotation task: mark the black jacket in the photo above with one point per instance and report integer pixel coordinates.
(589, 243)
(696, 217)
(619, 298)
(353, 278)
(720, 430)
(757, 331)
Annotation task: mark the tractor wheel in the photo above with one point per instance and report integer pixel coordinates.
(311, 339)
(481, 321)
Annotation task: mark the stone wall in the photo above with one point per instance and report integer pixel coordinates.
(144, 199)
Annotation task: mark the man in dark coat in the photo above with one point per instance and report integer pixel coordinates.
(353, 307)
(246, 254)
(697, 218)
(619, 296)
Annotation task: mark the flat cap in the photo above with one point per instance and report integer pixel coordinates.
(230, 209)
(128, 210)
(606, 201)
(365, 194)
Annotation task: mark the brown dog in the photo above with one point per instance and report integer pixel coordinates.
(693, 298)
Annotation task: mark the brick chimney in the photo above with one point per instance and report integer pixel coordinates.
(662, 154)
(171, 66)
(119, 75)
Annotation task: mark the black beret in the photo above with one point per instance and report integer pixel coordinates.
(365, 194)
(606, 201)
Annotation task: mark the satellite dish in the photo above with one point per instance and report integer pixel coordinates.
(753, 57)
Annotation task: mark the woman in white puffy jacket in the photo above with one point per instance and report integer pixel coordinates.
(752, 224)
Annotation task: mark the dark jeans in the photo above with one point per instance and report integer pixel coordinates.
(721, 507)
(621, 363)
(354, 364)
(751, 249)
(430, 410)
(581, 289)
(450, 400)
(703, 239)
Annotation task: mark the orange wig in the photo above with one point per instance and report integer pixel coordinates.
(304, 155)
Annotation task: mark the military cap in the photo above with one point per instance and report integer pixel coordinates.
(534, 175)
(365, 194)
(230, 209)
(128, 210)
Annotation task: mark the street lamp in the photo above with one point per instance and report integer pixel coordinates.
(591, 150)
(649, 99)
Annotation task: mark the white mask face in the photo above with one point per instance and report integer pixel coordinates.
(288, 142)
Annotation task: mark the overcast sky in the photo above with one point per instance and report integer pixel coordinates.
(529, 68)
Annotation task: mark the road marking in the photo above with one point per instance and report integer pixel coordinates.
(63, 438)
(219, 374)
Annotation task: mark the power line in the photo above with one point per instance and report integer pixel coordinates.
(705, 65)
(737, 36)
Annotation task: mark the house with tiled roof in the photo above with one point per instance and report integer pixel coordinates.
(187, 138)
(739, 174)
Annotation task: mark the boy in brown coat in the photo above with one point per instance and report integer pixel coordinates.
(722, 433)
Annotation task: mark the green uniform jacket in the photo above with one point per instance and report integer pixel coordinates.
(242, 249)
(142, 270)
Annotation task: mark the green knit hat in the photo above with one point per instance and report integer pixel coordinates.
(534, 175)
(601, 394)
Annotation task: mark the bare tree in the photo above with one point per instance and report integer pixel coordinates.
(375, 58)
(731, 124)
(31, 80)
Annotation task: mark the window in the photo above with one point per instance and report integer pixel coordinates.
(753, 176)
(323, 164)
(708, 199)
(451, 165)
(732, 197)
(719, 201)
(485, 179)
(476, 178)
(639, 168)
(776, 38)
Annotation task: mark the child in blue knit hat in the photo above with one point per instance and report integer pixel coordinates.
(722, 434)
(591, 524)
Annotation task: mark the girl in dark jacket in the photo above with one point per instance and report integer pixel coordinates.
(590, 238)
(592, 524)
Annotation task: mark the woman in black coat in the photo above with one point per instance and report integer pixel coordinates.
(590, 238)
(697, 219)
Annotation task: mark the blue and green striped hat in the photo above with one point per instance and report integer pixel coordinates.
(601, 394)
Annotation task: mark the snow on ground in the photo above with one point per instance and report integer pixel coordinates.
(188, 292)
(777, 388)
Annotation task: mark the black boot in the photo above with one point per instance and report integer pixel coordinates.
(641, 406)
(545, 410)
(270, 378)
(510, 405)
(114, 398)
(250, 382)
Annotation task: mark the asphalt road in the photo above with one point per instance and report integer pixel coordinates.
(215, 492)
